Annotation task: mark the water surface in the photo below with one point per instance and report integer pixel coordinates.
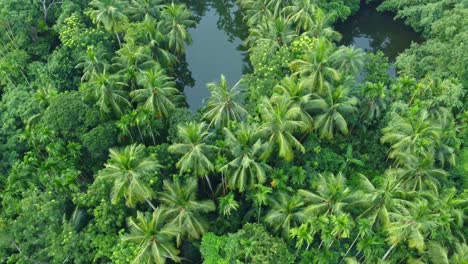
(374, 31)
(215, 50)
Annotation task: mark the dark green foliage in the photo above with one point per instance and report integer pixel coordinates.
(99, 158)
(251, 244)
(69, 116)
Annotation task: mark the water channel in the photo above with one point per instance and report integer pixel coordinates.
(217, 42)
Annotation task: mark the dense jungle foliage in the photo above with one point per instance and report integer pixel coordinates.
(302, 162)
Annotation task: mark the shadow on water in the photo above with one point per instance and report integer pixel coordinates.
(375, 31)
(216, 47)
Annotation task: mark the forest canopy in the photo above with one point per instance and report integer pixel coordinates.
(317, 155)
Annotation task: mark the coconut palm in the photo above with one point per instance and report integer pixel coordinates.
(364, 229)
(223, 104)
(110, 98)
(349, 60)
(158, 91)
(317, 66)
(332, 196)
(92, 62)
(245, 170)
(303, 235)
(130, 60)
(129, 168)
(140, 10)
(176, 19)
(153, 236)
(381, 198)
(285, 212)
(418, 173)
(256, 11)
(281, 118)
(149, 33)
(227, 204)
(322, 27)
(330, 111)
(373, 101)
(301, 13)
(452, 207)
(417, 135)
(412, 223)
(110, 14)
(259, 197)
(183, 208)
(272, 32)
(298, 93)
(195, 150)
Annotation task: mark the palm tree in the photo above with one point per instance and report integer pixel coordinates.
(259, 197)
(349, 60)
(322, 26)
(245, 170)
(149, 33)
(341, 227)
(285, 212)
(412, 223)
(418, 173)
(373, 101)
(256, 11)
(298, 93)
(129, 168)
(330, 111)
(92, 62)
(302, 234)
(280, 120)
(154, 237)
(176, 19)
(416, 135)
(317, 66)
(184, 209)
(332, 196)
(109, 14)
(110, 98)
(381, 198)
(223, 104)
(158, 91)
(194, 149)
(140, 10)
(364, 229)
(272, 32)
(227, 204)
(130, 60)
(301, 13)
(452, 207)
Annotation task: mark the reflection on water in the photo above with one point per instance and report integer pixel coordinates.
(371, 30)
(216, 48)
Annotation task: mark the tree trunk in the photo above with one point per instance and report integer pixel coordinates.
(259, 213)
(118, 39)
(150, 204)
(388, 252)
(209, 183)
(349, 249)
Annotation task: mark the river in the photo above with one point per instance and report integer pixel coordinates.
(372, 31)
(217, 42)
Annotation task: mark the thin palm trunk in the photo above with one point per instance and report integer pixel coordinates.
(150, 204)
(118, 39)
(349, 249)
(259, 213)
(209, 183)
(388, 252)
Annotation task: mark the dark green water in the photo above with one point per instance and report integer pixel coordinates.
(372, 31)
(217, 42)
(216, 48)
